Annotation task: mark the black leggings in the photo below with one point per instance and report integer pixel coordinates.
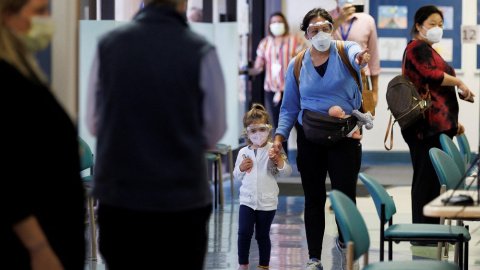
(342, 162)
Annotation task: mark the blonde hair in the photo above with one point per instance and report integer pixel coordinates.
(257, 113)
(12, 49)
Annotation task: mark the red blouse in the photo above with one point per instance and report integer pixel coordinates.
(424, 66)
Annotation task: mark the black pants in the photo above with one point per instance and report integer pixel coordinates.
(150, 240)
(261, 221)
(425, 183)
(342, 162)
(274, 113)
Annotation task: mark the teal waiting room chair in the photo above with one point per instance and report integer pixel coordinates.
(356, 236)
(449, 147)
(447, 169)
(385, 207)
(86, 165)
(464, 148)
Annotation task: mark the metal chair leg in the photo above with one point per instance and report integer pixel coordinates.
(220, 178)
(230, 154)
(93, 238)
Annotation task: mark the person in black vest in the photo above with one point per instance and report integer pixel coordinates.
(43, 218)
(157, 103)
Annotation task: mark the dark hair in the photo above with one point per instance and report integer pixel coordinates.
(421, 15)
(287, 28)
(316, 12)
(257, 113)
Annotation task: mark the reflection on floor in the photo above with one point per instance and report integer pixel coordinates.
(289, 247)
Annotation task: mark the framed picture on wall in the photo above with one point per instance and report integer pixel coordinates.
(394, 19)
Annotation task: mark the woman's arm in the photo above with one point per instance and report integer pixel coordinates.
(259, 64)
(449, 80)
(34, 240)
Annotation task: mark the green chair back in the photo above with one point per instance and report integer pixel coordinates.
(86, 155)
(380, 196)
(351, 223)
(447, 170)
(464, 148)
(451, 149)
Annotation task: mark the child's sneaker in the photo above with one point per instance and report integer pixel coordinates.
(243, 267)
(343, 257)
(314, 264)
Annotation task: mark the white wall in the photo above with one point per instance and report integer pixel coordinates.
(373, 139)
(64, 54)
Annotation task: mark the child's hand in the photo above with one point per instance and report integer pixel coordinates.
(275, 157)
(272, 155)
(246, 164)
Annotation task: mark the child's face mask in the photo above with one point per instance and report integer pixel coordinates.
(258, 133)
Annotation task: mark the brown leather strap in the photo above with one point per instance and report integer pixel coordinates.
(391, 134)
(343, 55)
(298, 65)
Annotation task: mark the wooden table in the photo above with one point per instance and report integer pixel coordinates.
(437, 208)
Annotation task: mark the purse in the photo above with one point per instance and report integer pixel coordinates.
(326, 130)
(405, 103)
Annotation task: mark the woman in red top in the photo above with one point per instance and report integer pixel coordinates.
(425, 67)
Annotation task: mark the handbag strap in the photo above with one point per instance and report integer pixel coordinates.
(391, 134)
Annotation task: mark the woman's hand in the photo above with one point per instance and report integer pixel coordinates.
(464, 92)
(344, 13)
(277, 144)
(460, 130)
(45, 258)
(362, 57)
(275, 158)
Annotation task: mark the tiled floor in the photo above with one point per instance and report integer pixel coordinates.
(289, 248)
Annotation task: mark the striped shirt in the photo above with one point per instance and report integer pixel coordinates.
(275, 59)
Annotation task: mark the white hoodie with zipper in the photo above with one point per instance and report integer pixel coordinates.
(259, 189)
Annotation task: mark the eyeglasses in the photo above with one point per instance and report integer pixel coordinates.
(314, 29)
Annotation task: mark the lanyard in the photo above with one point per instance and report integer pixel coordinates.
(344, 36)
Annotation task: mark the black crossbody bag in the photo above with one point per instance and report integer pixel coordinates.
(324, 129)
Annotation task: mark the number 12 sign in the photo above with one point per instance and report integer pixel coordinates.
(471, 34)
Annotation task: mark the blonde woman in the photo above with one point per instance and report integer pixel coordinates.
(43, 221)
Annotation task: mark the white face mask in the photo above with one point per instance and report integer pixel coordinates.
(434, 34)
(39, 35)
(321, 41)
(259, 138)
(277, 29)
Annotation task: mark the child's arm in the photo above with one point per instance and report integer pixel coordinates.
(286, 169)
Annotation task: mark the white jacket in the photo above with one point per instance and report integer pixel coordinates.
(259, 189)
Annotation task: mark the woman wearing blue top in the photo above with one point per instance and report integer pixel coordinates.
(324, 81)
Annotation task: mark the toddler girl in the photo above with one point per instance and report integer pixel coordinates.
(257, 168)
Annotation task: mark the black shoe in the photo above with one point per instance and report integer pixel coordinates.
(424, 244)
